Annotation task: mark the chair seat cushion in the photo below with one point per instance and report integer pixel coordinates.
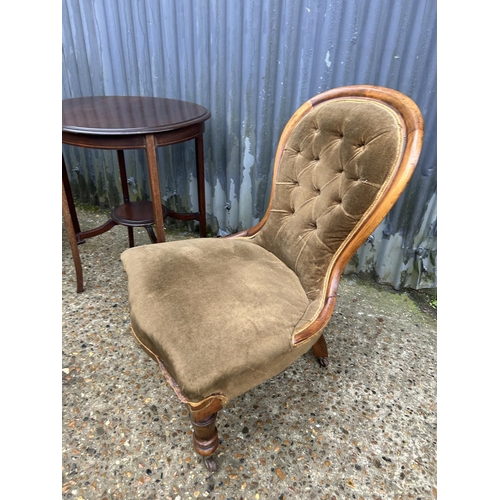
(220, 313)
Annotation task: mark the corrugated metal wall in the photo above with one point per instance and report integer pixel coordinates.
(252, 63)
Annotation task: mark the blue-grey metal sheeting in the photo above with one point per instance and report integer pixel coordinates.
(252, 63)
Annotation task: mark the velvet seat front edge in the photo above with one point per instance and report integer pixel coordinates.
(222, 315)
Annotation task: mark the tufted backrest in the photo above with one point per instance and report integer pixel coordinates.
(335, 158)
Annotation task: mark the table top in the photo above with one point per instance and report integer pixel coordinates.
(128, 115)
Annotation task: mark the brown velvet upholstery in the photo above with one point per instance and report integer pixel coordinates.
(332, 168)
(219, 313)
(223, 315)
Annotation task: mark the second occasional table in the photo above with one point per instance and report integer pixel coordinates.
(131, 122)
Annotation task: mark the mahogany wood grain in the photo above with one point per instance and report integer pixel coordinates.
(129, 115)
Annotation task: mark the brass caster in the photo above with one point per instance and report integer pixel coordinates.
(210, 464)
(323, 362)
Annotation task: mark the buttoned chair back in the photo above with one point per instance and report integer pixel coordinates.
(342, 161)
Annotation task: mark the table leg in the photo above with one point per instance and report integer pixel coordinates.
(123, 175)
(200, 171)
(126, 195)
(154, 182)
(69, 198)
(70, 229)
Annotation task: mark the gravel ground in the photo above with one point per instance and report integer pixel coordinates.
(363, 428)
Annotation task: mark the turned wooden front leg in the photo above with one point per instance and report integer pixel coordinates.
(205, 436)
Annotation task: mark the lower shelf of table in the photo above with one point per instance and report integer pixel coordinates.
(136, 214)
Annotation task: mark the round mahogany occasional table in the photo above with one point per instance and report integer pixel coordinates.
(131, 122)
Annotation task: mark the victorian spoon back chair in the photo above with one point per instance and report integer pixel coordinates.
(222, 315)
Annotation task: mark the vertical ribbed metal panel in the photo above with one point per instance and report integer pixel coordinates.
(252, 63)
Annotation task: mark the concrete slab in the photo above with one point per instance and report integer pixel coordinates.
(363, 428)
